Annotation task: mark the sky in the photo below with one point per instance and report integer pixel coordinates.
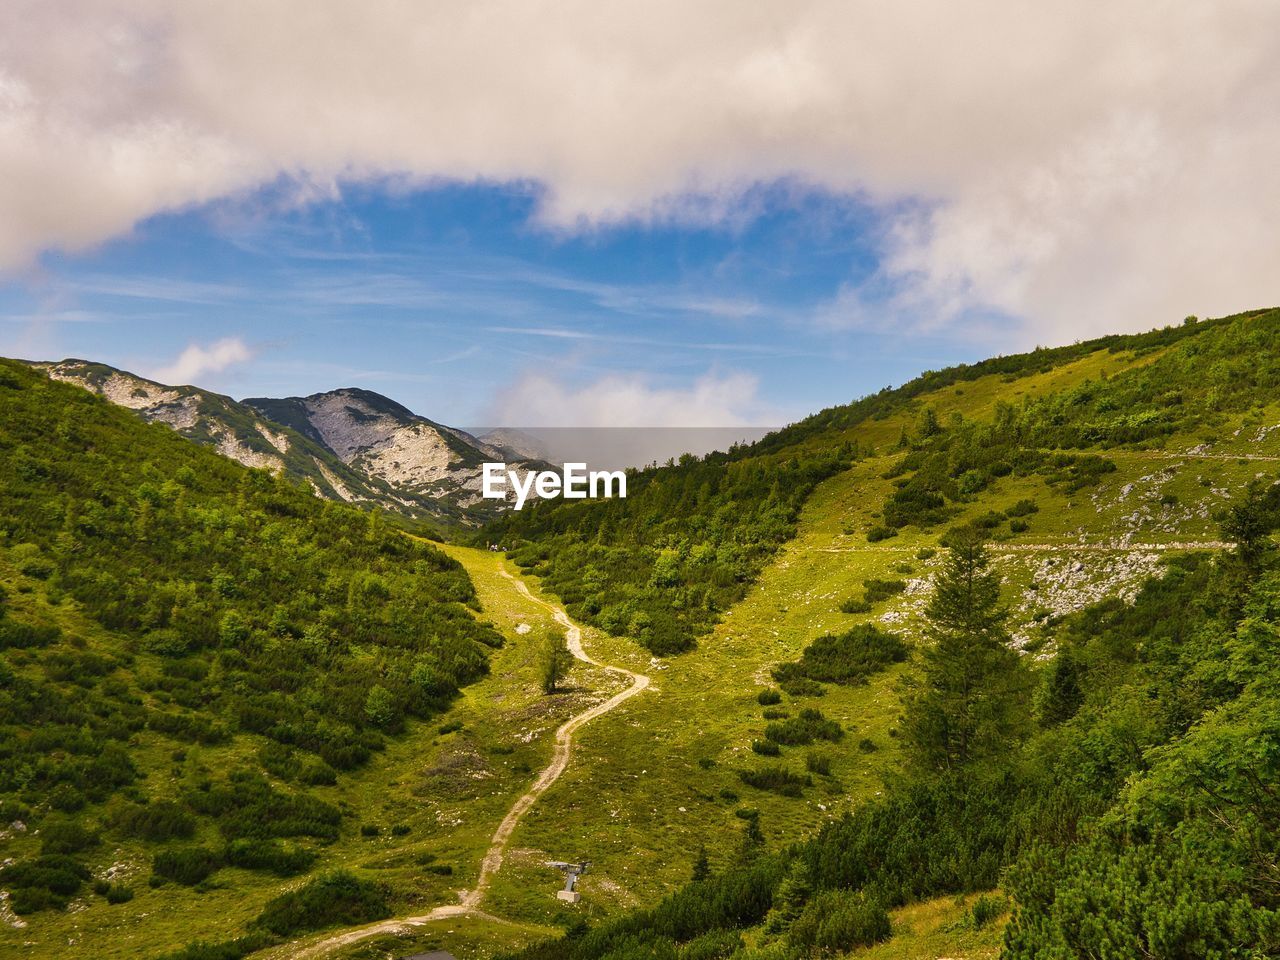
(595, 213)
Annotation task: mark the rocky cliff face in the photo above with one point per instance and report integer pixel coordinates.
(351, 445)
(381, 439)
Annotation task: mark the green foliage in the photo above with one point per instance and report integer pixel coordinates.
(767, 698)
(836, 921)
(664, 563)
(879, 590)
(848, 658)
(334, 899)
(159, 821)
(809, 726)
(42, 883)
(775, 779)
(969, 702)
(554, 659)
(186, 865)
(173, 594)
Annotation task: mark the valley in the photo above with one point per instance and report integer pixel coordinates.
(680, 745)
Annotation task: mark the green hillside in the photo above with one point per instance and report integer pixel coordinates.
(197, 661)
(802, 750)
(1089, 476)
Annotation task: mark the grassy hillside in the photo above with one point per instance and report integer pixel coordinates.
(1061, 545)
(198, 663)
(664, 564)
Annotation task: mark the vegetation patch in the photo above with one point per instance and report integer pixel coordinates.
(847, 658)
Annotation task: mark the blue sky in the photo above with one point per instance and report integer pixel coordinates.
(451, 298)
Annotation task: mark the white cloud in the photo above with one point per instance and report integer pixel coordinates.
(197, 362)
(632, 400)
(1089, 166)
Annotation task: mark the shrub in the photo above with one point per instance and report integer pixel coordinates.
(334, 899)
(836, 921)
(985, 909)
(1023, 508)
(1018, 526)
(43, 883)
(818, 763)
(118, 893)
(369, 830)
(774, 713)
(767, 698)
(797, 686)
(269, 855)
(65, 836)
(878, 590)
(809, 726)
(775, 779)
(766, 748)
(880, 532)
(186, 865)
(855, 605)
(158, 821)
(926, 553)
(847, 658)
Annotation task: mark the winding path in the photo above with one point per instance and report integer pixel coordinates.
(469, 905)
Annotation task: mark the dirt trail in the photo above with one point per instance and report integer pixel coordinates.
(469, 905)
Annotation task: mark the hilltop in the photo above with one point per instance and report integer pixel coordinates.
(349, 445)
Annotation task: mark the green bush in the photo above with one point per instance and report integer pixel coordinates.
(333, 899)
(775, 779)
(836, 921)
(269, 855)
(847, 658)
(186, 865)
(878, 590)
(65, 836)
(809, 726)
(157, 821)
(818, 763)
(767, 698)
(43, 883)
(766, 748)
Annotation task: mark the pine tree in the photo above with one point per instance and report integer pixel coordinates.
(701, 866)
(555, 661)
(971, 700)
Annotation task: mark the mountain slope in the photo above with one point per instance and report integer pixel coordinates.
(667, 561)
(199, 666)
(421, 460)
(350, 445)
(233, 429)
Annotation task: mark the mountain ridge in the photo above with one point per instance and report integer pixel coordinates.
(351, 444)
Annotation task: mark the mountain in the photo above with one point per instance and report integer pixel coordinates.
(196, 662)
(350, 445)
(420, 460)
(985, 662)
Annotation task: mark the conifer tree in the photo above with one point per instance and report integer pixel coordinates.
(970, 703)
(701, 866)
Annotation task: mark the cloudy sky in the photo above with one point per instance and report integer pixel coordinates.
(591, 212)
